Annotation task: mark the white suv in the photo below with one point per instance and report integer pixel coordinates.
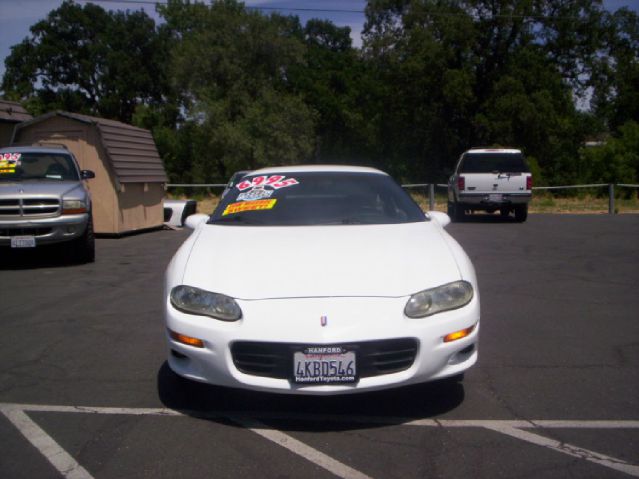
(490, 179)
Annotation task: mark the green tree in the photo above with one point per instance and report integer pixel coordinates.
(616, 161)
(232, 67)
(483, 72)
(84, 59)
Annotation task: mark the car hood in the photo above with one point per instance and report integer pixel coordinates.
(291, 262)
(37, 188)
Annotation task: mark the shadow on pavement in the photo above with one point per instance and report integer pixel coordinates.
(46, 256)
(309, 413)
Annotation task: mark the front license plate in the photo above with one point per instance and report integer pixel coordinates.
(23, 242)
(324, 365)
(495, 197)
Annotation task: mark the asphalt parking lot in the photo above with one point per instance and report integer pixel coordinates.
(85, 391)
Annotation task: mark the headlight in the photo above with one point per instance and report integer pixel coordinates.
(73, 207)
(197, 301)
(443, 298)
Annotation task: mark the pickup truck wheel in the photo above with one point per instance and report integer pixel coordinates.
(459, 213)
(82, 249)
(521, 213)
(451, 210)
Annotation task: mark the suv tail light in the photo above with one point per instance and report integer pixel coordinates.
(529, 183)
(461, 183)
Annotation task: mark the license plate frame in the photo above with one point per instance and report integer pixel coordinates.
(313, 365)
(495, 197)
(23, 241)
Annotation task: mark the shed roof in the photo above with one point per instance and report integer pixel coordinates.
(131, 150)
(13, 112)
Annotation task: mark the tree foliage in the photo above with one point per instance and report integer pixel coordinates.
(224, 87)
(82, 58)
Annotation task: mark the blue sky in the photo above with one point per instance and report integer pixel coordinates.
(16, 16)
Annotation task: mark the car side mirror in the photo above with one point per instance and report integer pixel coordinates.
(442, 218)
(87, 174)
(194, 221)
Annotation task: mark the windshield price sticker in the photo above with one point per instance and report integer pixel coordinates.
(9, 162)
(274, 181)
(249, 206)
(324, 365)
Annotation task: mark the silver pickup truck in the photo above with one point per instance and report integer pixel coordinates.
(490, 179)
(43, 200)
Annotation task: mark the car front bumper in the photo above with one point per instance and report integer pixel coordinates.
(45, 230)
(287, 322)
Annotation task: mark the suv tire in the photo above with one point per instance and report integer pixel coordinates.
(82, 250)
(521, 213)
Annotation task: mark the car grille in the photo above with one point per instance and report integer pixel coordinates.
(29, 207)
(275, 360)
(7, 232)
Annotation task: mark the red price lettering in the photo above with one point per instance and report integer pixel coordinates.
(244, 185)
(282, 184)
(274, 179)
(258, 180)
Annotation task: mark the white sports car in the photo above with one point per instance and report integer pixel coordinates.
(320, 280)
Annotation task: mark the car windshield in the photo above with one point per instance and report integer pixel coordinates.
(491, 162)
(37, 166)
(316, 198)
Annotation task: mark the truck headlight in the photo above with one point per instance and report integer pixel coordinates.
(443, 298)
(73, 207)
(197, 301)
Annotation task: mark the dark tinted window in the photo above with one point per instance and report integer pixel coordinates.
(37, 166)
(316, 198)
(489, 162)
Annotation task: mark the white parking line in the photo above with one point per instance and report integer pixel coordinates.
(301, 449)
(569, 449)
(519, 429)
(51, 450)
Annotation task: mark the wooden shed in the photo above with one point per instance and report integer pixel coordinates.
(128, 187)
(11, 113)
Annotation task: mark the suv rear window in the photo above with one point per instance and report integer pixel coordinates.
(493, 162)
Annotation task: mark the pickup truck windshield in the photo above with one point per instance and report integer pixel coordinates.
(37, 166)
(493, 162)
(316, 198)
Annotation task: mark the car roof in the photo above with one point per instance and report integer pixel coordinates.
(494, 150)
(35, 149)
(317, 168)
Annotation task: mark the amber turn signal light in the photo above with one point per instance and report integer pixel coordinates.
(188, 340)
(458, 334)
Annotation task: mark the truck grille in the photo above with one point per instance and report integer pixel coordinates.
(29, 207)
(275, 360)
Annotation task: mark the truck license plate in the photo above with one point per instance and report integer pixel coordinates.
(495, 198)
(324, 365)
(23, 242)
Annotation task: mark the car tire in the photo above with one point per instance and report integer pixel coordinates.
(458, 214)
(451, 210)
(521, 213)
(82, 249)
